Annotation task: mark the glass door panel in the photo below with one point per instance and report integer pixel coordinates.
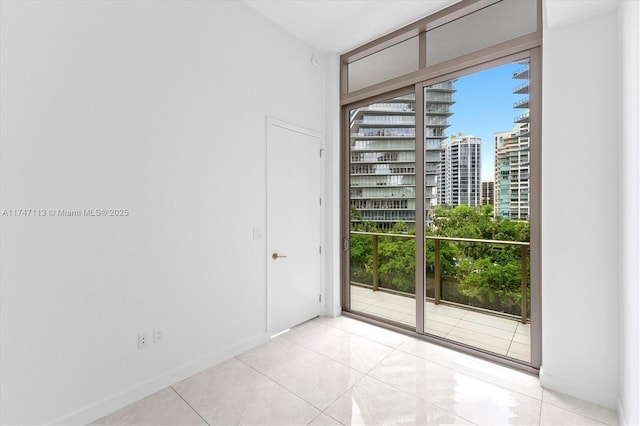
(382, 183)
(477, 218)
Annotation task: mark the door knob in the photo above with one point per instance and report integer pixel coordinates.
(276, 256)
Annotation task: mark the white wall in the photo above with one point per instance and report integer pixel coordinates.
(629, 398)
(332, 305)
(580, 339)
(155, 107)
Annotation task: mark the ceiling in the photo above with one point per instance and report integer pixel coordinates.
(564, 12)
(341, 25)
(338, 26)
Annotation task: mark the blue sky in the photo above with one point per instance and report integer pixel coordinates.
(484, 106)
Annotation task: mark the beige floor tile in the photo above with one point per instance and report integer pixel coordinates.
(490, 320)
(438, 317)
(552, 415)
(524, 329)
(485, 370)
(313, 377)
(409, 381)
(578, 406)
(368, 331)
(234, 393)
(324, 420)
(471, 398)
(519, 356)
(520, 348)
(449, 311)
(485, 329)
(477, 339)
(346, 348)
(371, 402)
(434, 327)
(386, 313)
(164, 407)
(521, 338)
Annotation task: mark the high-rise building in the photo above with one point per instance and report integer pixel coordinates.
(487, 193)
(382, 158)
(511, 176)
(382, 163)
(462, 171)
(438, 101)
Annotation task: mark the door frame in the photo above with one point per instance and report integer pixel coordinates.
(274, 122)
(535, 56)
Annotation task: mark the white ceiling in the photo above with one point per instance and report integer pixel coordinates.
(341, 25)
(565, 12)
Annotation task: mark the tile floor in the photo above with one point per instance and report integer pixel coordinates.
(333, 371)
(503, 336)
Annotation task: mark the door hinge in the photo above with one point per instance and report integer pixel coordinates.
(345, 244)
(320, 298)
(321, 152)
(320, 200)
(320, 249)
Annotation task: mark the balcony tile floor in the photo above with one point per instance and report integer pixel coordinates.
(341, 371)
(496, 334)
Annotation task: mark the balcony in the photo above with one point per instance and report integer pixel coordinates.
(523, 89)
(446, 86)
(454, 310)
(522, 103)
(522, 73)
(524, 118)
(499, 335)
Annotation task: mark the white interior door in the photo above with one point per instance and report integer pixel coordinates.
(293, 225)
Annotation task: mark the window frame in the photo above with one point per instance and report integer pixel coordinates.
(529, 47)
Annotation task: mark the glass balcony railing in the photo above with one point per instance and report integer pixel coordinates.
(488, 276)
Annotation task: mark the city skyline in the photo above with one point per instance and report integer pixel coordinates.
(484, 106)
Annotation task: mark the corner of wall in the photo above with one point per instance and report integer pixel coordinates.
(332, 184)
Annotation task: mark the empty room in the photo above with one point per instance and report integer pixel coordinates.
(210, 212)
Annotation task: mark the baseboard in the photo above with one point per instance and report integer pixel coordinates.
(337, 311)
(108, 405)
(620, 410)
(576, 390)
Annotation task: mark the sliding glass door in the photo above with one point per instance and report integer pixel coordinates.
(382, 208)
(441, 179)
(456, 155)
(477, 226)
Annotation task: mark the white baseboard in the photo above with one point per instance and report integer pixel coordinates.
(108, 405)
(620, 410)
(576, 390)
(337, 311)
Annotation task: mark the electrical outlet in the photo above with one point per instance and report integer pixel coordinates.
(143, 340)
(158, 335)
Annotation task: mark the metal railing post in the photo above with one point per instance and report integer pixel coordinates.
(438, 286)
(523, 283)
(375, 263)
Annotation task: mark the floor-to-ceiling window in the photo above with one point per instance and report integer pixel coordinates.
(441, 143)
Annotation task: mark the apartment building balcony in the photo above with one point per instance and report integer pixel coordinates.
(364, 144)
(523, 133)
(502, 328)
(523, 89)
(439, 97)
(522, 74)
(446, 87)
(522, 103)
(387, 120)
(524, 118)
(495, 334)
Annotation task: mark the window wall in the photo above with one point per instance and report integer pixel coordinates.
(432, 114)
